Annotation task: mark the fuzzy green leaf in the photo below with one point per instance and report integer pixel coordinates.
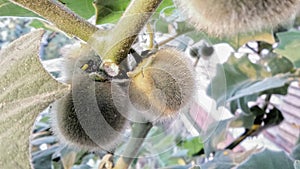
(25, 90)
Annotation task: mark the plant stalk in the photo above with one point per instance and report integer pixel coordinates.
(139, 133)
(62, 17)
(120, 39)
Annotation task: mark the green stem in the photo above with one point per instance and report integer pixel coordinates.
(120, 39)
(139, 133)
(60, 16)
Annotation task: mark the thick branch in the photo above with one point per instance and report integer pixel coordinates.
(123, 35)
(139, 133)
(60, 16)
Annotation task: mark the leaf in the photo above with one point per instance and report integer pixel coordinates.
(109, 11)
(166, 141)
(268, 159)
(164, 4)
(260, 86)
(232, 76)
(283, 90)
(68, 157)
(238, 78)
(161, 25)
(193, 145)
(44, 140)
(25, 90)
(236, 41)
(179, 167)
(243, 121)
(233, 106)
(216, 133)
(241, 39)
(222, 160)
(239, 157)
(280, 64)
(38, 23)
(247, 119)
(243, 103)
(9, 9)
(82, 166)
(222, 85)
(42, 159)
(84, 8)
(251, 70)
(289, 46)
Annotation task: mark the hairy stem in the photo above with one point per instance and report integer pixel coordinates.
(139, 133)
(150, 33)
(120, 39)
(60, 16)
(172, 38)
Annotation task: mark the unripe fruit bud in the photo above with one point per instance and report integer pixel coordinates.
(230, 17)
(162, 84)
(88, 117)
(207, 51)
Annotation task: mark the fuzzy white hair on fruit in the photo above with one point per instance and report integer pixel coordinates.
(229, 17)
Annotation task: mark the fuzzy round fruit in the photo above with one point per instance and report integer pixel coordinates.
(207, 51)
(229, 17)
(161, 85)
(88, 117)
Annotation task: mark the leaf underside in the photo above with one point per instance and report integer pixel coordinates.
(25, 90)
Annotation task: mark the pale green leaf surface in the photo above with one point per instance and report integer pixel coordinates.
(9, 9)
(260, 86)
(222, 160)
(193, 145)
(280, 64)
(289, 46)
(268, 159)
(216, 133)
(83, 8)
(242, 78)
(109, 11)
(25, 90)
